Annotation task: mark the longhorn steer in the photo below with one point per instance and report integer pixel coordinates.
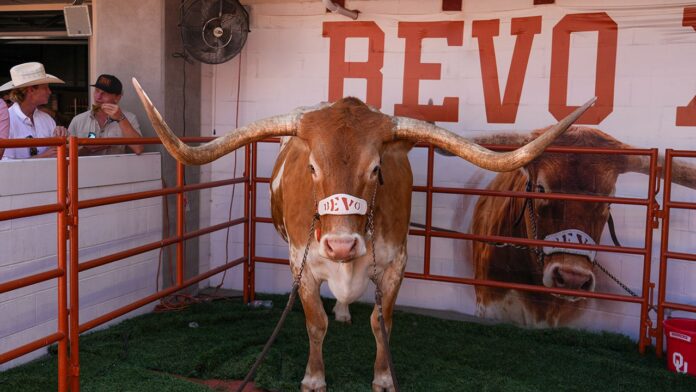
(557, 220)
(340, 153)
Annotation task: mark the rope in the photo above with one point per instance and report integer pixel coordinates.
(271, 340)
(284, 315)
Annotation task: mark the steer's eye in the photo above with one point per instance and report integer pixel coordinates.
(541, 189)
(311, 169)
(375, 170)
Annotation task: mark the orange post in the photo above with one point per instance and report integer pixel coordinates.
(62, 179)
(645, 339)
(74, 267)
(180, 223)
(251, 271)
(247, 224)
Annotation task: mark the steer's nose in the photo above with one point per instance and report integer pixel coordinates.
(340, 246)
(571, 278)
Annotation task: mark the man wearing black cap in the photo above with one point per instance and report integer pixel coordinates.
(106, 119)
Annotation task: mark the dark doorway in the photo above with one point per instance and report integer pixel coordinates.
(67, 59)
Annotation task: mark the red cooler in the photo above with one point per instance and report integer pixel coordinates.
(681, 345)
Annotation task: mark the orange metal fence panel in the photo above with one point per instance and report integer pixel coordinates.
(67, 209)
(665, 253)
(651, 207)
(59, 273)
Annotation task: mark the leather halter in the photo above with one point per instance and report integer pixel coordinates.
(532, 217)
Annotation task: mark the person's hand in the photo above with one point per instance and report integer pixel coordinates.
(50, 152)
(88, 150)
(60, 131)
(112, 110)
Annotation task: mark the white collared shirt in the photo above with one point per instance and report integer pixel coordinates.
(21, 127)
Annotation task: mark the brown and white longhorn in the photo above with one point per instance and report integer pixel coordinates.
(340, 153)
(550, 219)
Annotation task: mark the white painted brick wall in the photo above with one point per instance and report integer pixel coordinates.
(285, 64)
(28, 245)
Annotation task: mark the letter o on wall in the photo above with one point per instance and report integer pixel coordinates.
(605, 70)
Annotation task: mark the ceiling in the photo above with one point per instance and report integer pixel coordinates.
(32, 21)
(33, 2)
(21, 16)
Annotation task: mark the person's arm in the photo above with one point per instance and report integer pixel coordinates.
(4, 124)
(129, 128)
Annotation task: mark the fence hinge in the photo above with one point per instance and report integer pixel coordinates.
(658, 215)
(651, 328)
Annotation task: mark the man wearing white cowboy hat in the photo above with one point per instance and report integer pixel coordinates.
(29, 90)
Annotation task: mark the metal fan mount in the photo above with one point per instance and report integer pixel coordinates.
(213, 31)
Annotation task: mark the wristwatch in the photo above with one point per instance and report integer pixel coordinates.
(123, 117)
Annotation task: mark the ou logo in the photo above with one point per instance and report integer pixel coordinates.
(679, 364)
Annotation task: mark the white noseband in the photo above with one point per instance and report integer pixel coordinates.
(342, 204)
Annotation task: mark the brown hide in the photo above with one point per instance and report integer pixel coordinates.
(343, 149)
(552, 172)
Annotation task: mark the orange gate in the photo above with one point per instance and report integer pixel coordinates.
(665, 254)
(67, 207)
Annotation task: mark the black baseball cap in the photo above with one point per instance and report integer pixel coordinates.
(109, 83)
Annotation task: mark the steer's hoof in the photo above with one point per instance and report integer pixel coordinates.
(342, 313)
(305, 388)
(343, 319)
(313, 384)
(379, 388)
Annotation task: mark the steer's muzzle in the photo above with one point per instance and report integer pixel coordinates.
(569, 271)
(342, 247)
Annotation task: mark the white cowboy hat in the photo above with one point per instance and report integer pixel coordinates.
(28, 74)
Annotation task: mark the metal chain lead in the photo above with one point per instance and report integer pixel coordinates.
(296, 281)
(540, 254)
(378, 291)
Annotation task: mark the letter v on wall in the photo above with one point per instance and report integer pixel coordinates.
(525, 29)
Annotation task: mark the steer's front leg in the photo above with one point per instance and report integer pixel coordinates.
(390, 283)
(317, 323)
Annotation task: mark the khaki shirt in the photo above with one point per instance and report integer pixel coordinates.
(85, 122)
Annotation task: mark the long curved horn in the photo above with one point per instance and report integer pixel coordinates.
(417, 130)
(682, 173)
(283, 125)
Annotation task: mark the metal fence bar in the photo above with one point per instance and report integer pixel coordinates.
(158, 295)
(29, 347)
(30, 280)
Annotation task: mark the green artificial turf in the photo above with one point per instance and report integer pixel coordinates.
(430, 354)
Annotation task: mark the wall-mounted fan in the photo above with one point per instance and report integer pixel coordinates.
(213, 31)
